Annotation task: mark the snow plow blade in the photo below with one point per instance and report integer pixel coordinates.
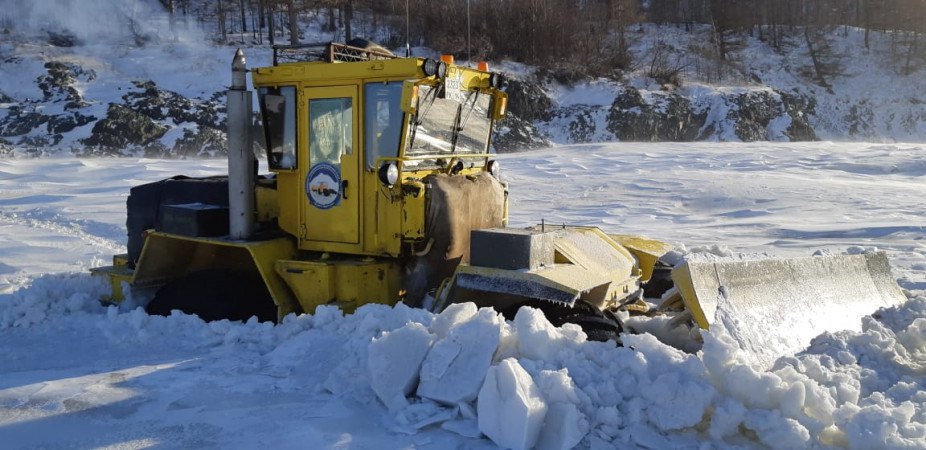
(777, 306)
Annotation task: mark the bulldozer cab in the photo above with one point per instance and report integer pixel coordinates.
(352, 132)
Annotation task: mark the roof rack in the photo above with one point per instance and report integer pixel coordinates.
(328, 52)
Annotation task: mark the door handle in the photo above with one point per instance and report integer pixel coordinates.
(344, 189)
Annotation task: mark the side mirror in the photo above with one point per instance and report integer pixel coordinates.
(499, 106)
(409, 97)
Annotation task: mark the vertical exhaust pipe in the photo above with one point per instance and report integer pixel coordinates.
(241, 177)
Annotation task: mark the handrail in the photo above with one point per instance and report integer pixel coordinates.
(327, 52)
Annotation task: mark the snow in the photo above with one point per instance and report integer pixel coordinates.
(511, 409)
(74, 373)
(454, 369)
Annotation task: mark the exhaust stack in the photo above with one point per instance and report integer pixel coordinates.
(241, 176)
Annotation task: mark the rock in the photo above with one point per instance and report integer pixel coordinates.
(582, 128)
(204, 142)
(123, 128)
(515, 134)
(527, 100)
(527, 103)
(860, 119)
(669, 118)
(19, 122)
(799, 108)
(58, 84)
(166, 105)
(753, 113)
(6, 148)
(64, 123)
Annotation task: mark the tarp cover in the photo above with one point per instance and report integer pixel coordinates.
(456, 205)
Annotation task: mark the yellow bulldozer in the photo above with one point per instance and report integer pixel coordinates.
(382, 188)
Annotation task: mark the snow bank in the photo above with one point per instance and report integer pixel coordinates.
(537, 385)
(649, 394)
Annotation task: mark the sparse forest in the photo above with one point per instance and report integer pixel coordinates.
(592, 34)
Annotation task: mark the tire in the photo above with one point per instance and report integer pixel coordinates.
(660, 282)
(216, 294)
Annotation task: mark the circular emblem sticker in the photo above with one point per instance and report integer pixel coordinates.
(323, 186)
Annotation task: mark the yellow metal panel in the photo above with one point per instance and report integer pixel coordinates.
(347, 284)
(382, 217)
(413, 208)
(117, 276)
(646, 250)
(268, 207)
(336, 73)
(289, 197)
(167, 256)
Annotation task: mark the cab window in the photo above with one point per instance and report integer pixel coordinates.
(278, 109)
(382, 119)
(330, 130)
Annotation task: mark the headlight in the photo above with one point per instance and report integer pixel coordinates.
(430, 67)
(441, 69)
(388, 174)
(494, 168)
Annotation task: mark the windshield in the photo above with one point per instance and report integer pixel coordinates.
(474, 126)
(447, 127)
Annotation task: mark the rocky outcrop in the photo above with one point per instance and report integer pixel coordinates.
(139, 124)
(665, 116)
(799, 108)
(516, 134)
(57, 85)
(123, 130)
(205, 142)
(169, 106)
(527, 105)
(148, 113)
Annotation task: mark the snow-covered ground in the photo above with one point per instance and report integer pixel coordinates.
(75, 374)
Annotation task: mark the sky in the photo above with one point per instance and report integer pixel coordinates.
(76, 374)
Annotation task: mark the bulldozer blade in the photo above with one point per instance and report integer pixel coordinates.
(776, 307)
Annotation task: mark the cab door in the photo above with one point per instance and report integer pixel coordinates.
(331, 207)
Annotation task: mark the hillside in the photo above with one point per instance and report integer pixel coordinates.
(146, 88)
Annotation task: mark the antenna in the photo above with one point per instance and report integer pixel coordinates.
(469, 55)
(408, 47)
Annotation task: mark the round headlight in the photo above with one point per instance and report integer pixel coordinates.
(441, 69)
(429, 67)
(494, 168)
(388, 174)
